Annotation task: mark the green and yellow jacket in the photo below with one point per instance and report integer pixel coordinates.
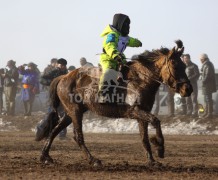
(113, 45)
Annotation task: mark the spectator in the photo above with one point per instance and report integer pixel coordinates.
(1, 89)
(30, 86)
(48, 69)
(71, 68)
(51, 66)
(190, 104)
(208, 84)
(60, 69)
(84, 63)
(11, 76)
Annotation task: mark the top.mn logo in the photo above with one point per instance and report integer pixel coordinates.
(114, 87)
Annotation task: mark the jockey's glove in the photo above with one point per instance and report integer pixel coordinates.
(137, 43)
(119, 58)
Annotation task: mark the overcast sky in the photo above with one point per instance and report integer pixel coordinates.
(38, 30)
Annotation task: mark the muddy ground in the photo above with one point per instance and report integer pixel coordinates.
(123, 157)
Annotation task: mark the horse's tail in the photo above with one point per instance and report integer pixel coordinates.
(54, 99)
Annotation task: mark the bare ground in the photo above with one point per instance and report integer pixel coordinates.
(122, 155)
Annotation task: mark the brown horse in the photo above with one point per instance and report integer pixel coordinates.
(134, 97)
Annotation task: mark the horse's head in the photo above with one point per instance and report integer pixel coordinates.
(173, 71)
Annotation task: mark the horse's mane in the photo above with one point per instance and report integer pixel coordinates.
(150, 56)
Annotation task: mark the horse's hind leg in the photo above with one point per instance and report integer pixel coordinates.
(45, 158)
(78, 137)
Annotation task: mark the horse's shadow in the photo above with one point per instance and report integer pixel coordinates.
(126, 167)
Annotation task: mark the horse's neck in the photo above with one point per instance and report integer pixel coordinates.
(149, 73)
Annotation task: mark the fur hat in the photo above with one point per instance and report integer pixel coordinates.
(62, 61)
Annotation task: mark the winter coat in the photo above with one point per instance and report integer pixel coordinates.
(115, 44)
(193, 73)
(46, 79)
(208, 78)
(11, 77)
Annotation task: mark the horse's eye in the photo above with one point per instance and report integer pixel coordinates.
(173, 62)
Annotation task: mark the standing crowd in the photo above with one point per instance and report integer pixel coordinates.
(27, 80)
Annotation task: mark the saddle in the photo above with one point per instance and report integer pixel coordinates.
(113, 85)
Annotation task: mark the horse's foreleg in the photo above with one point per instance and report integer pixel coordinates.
(45, 158)
(143, 129)
(143, 118)
(78, 137)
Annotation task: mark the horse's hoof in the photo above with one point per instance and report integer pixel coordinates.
(96, 163)
(46, 159)
(154, 163)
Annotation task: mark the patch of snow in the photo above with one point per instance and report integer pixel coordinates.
(6, 126)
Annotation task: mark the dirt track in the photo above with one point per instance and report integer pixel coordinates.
(187, 157)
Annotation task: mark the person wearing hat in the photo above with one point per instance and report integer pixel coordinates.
(46, 79)
(30, 86)
(190, 104)
(48, 69)
(11, 76)
(208, 84)
(116, 39)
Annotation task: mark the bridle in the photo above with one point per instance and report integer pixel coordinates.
(166, 60)
(178, 82)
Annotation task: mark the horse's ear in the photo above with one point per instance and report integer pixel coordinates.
(172, 53)
(179, 47)
(176, 51)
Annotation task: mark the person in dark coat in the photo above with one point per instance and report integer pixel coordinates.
(190, 104)
(51, 66)
(11, 76)
(30, 86)
(59, 70)
(48, 69)
(208, 84)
